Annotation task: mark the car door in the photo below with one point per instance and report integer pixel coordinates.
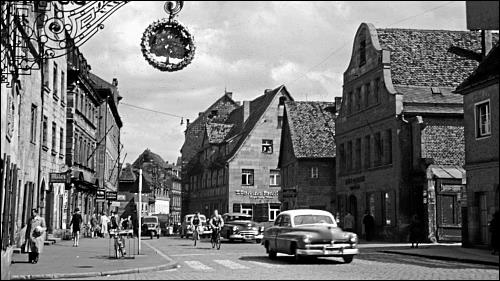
(271, 232)
(283, 244)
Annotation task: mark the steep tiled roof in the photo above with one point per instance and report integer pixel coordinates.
(148, 156)
(195, 131)
(312, 129)
(127, 174)
(488, 69)
(423, 100)
(421, 57)
(258, 106)
(443, 141)
(217, 132)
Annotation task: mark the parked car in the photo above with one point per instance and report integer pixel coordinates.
(151, 226)
(164, 222)
(308, 232)
(186, 230)
(239, 226)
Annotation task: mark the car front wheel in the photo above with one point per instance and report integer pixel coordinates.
(348, 259)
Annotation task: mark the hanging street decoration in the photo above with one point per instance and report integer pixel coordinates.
(166, 44)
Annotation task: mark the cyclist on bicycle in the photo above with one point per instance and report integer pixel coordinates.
(216, 223)
(196, 226)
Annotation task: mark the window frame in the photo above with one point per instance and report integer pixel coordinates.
(275, 175)
(267, 147)
(34, 121)
(314, 172)
(477, 119)
(250, 177)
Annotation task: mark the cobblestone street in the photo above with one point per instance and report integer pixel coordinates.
(249, 261)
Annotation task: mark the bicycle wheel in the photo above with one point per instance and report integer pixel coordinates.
(218, 242)
(212, 241)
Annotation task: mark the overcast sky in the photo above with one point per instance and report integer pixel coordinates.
(245, 47)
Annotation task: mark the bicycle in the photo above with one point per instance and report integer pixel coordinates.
(216, 242)
(196, 235)
(119, 244)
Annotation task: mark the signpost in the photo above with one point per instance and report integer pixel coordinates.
(139, 211)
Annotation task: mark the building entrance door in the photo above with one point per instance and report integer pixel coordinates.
(483, 218)
(353, 209)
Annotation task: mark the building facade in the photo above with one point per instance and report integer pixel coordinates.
(400, 140)
(108, 137)
(307, 156)
(236, 167)
(194, 133)
(174, 187)
(480, 95)
(81, 130)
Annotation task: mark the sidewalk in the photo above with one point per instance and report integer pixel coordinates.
(90, 258)
(439, 251)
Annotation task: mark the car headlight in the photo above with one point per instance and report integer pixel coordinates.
(353, 239)
(235, 228)
(261, 229)
(306, 239)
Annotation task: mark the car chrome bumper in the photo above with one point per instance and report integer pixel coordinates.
(328, 251)
(246, 236)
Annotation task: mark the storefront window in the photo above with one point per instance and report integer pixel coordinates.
(388, 208)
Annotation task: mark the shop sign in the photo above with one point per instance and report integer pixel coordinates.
(58, 177)
(111, 195)
(257, 194)
(100, 194)
(121, 197)
(451, 188)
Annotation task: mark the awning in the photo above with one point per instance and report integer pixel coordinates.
(446, 172)
(84, 180)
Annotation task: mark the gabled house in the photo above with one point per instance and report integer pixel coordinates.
(400, 131)
(236, 168)
(307, 156)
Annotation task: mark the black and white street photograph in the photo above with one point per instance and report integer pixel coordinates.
(249, 140)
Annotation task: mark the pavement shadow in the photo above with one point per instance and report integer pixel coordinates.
(291, 260)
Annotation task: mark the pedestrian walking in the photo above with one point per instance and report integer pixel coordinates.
(494, 226)
(93, 226)
(76, 222)
(115, 220)
(415, 229)
(369, 223)
(349, 222)
(104, 224)
(35, 236)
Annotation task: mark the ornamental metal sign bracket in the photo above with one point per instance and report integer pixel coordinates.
(166, 44)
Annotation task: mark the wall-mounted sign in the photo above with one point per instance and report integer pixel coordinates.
(111, 195)
(451, 188)
(121, 197)
(100, 194)
(58, 177)
(257, 194)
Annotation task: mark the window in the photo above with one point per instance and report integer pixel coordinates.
(378, 149)
(274, 178)
(33, 123)
(349, 156)
(247, 209)
(44, 131)
(367, 152)
(280, 122)
(388, 208)
(247, 177)
(273, 213)
(349, 102)
(368, 89)
(54, 137)
(358, 155)
(362, 52)
(267, 146)
(63, 87)
(76, 152)
(483, 119)
(314, 173)
(358, 99)
(55, 82)
(376, 90)
(388, 148)
(342, 158)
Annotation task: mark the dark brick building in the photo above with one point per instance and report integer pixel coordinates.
(400, 133)
(307, 156)
(480, 95)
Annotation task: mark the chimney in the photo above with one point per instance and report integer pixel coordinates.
(246, 110)
(115, 82)
(229, 94)
(266, 91)
(338, 104)
(187, 123)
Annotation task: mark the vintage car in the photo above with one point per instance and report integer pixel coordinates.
(151, 226)
(239, 226)
(187, 231)
(308, 232)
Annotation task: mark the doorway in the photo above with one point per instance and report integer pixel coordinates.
(353, 209)
(483, 218)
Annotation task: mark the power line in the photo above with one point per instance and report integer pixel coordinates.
(424, 12)
(151, 110)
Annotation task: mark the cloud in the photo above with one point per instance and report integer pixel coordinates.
(246, 47)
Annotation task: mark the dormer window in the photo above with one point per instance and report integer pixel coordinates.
(362, 52)
(267, 146)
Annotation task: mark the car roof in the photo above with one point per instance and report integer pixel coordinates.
(297, 212)
(237, 214)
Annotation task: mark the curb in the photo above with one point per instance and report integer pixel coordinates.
(444, 258)
(167, 266)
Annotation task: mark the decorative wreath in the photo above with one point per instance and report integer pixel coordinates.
(170, 41)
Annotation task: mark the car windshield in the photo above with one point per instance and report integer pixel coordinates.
(312, 219)
(150, 220)
(237, 217)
